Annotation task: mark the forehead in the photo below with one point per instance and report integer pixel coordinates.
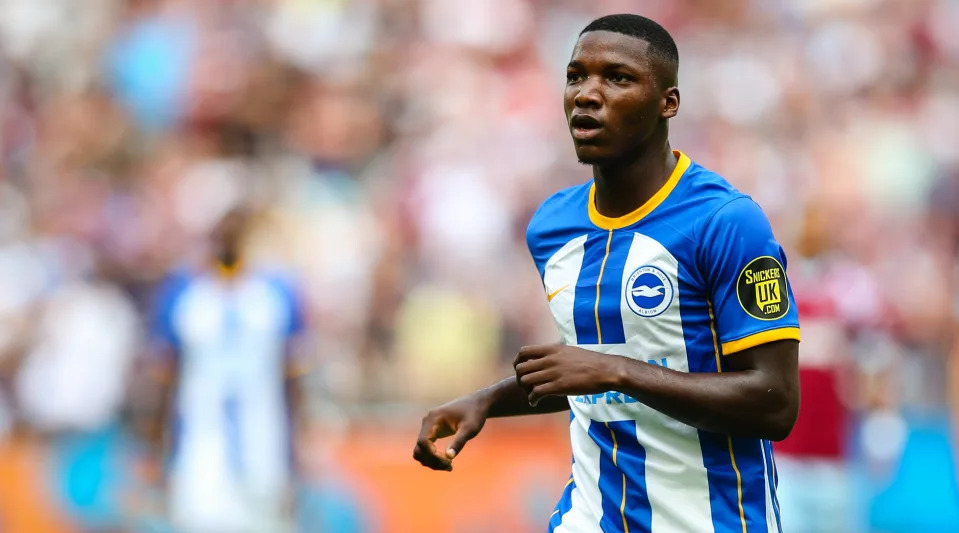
(599, 47)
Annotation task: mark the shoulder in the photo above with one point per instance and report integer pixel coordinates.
(710, 190)
(280, 281)
(173, 285)
(716, 203)
(741, 212)
(165, 301)
(560, 217)
(560, 210)
(285, 289)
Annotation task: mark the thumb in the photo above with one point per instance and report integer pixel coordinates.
(463, 434)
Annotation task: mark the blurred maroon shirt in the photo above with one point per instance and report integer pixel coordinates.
(820, 429)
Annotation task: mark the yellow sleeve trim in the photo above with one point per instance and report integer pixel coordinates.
(762, 337)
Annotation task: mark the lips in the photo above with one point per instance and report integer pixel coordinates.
(584, 122)
(584, 127)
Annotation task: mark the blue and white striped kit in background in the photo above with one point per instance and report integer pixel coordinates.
(690, 277)
(230, 460)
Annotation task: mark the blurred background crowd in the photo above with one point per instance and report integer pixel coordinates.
(390, 153)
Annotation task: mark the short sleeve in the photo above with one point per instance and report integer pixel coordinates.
(745, 271)
(292, 302)
(165, 299)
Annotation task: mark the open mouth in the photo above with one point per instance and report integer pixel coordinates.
(584, 126)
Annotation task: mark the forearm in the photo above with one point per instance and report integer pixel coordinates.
(742, 403)
(507, 398)
(296, 403)
(158, 426)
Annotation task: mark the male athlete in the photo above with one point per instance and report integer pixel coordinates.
(228, 329)
(679, 347)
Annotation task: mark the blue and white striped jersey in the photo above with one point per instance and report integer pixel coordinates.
(691, 276)
(232, 337)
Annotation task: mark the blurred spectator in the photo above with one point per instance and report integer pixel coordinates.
(72, 356)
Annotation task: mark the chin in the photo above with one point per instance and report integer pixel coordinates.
(588, 155)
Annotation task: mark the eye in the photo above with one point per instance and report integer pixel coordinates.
(620, 78)
(572, 77)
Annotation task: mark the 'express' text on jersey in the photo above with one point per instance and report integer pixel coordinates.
(690, 277)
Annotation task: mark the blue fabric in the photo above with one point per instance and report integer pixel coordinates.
(625, 500)
(164, 303)
(735, 235)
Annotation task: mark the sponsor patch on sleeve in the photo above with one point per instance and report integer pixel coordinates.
(761, 289)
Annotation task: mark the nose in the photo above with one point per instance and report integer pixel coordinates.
(588, 94)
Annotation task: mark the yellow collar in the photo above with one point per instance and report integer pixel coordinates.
(226, 271)
(636, 215)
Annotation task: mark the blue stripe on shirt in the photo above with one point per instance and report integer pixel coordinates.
(771, 480)
(584, 306)
(563, 507)
(622, 477)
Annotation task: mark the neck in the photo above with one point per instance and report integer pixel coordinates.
(624, 186)
(228, 268)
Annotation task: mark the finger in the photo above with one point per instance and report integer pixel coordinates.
(429, 428)
(541, 391)
(533, 352)
(534, 365)
(425, 451)
(462, 436)
(425, 454)
(435, 426)
(528, 381)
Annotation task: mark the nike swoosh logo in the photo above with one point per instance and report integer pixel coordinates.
(550, 296)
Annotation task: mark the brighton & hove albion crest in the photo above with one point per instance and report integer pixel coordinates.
(648, 291)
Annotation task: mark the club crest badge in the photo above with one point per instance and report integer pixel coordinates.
(649, 291)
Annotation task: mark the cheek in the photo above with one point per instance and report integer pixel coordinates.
(639, 120)
(568, 98)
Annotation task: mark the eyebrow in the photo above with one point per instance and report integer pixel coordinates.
(610, 66)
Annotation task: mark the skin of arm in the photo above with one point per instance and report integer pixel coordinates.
(153, 401)
(295, 394)
(164, 371)
(464, 417)
(756, 395)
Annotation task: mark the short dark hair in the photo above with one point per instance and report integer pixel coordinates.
(661, 43)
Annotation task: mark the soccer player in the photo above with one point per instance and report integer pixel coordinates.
(227, 330)
(679, 347)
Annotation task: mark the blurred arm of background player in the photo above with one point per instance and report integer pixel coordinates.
(153, 396)
(295, 371)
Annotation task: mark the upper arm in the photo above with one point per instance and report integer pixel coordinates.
(745, 272)
(295, 323)
(162, 358)
(776, 368)
(164, 334)
(777, 362)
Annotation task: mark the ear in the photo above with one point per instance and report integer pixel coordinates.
(670, 103)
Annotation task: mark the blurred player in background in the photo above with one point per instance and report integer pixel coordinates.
(679, 335)
(226, 332)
